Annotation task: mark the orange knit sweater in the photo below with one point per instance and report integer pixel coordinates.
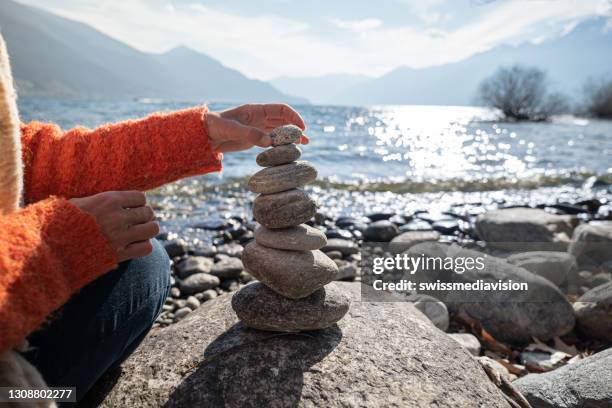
(51, 249)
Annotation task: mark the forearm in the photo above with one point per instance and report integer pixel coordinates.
(136, 154)
(48, 251)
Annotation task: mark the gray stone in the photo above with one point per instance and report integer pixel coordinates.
(286, 134)
(261, 308)
(432, 308)
(380, 231)
(299, 238)
(198, 282)
(193, 264)
(282, 178)
(515, 316)
(182, 312)
(379, 354)
(294, 274)
(228, 268)
(557, 267)
(594, 312)
(584, 384)
(344, 246)
(525, 229)
(282, 210)
(279, 155)
(407, 239)
(192, 302)
(346, 270)
(592, 242)
(468, 341)
(208, 295)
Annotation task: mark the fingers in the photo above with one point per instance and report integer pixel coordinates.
(141, 232)
(265, 116)
(276, 112)
(130, 199)
(235, 131)
(135, 250)
(139, 215)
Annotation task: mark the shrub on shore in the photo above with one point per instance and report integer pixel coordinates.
(598, 98)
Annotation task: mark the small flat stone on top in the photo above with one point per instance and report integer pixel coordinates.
(299, 238)
(285, 135)
(261, 308)
(282, 178)
(279, 155)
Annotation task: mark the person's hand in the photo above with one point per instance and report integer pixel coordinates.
(124, 219)
(246, 126)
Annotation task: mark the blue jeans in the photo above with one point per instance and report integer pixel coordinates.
(102, 325)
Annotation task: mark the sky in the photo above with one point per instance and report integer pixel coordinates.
(265, 39)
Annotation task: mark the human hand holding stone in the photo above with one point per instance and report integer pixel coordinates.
(249, 125)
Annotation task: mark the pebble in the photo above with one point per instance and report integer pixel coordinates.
(299, 238)
(415, 225)
(294, 274)
(594, 312)
(334, 254)
(228, 268)
(282, 178)
(282, 210)
(285, 135)
(193, 264)
(175, 248)
(175, 292)
(279, 155)
(181, 313)
(380, 231)
(261, 308)
(346, 270)
(344, 246)
(407, 239)
(198, 282)
(192, 302)
(468, 341)
(208, 294)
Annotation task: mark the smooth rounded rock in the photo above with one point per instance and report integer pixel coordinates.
(284, 135)
(405, 240)
(594, 312)
(282, 178)
(299, 238)
(282, 210)
(294, 274)
(198, 282)
(557, 267)
(228, 268)
(261, 308)
(192, 265)
(279, 155)
(380, 231)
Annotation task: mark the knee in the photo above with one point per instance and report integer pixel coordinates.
(151, 273)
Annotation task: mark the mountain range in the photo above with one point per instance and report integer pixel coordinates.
(53, 56)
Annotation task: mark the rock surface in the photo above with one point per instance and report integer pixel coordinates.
(468, 341)
(228, 268)
(259, 307)
(282, 178)
(299, 238)
(286, 134)
(380, 231)
(410, 238)
(542, 311)
(344, 246)
(584, 384)
(282, 210)
(198, 282)
(209, 359)
(278, 155)
(592, 242)
(194, 264)
(557, 267)
(594, 312)
(432, 308)
(524, 229)
(294, 274)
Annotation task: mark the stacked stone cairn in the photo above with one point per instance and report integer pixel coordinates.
(294, 292)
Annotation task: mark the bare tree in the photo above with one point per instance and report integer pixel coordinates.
(599, 98)
(521, 93)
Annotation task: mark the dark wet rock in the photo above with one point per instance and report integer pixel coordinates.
(286, 134)
(338, 233)
(228, 268)
(198, 282)
(294, 274)
(193, 264)
(584, 384)
(344, 365)
(594, 312)
(446, 226)
(261, 308)
(282, 210)
(525, 229)
(344, 246)
(176, 248)
(279, 155)
(213, 223)
(557, 267)
(399, 219)
(380, 216)
(592, 242)
(542, 311)
(380, 231)
(345, 222)
(416, 225)
(299, 238)
(282, 178)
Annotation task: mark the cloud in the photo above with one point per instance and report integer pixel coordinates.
(356, 25)
(267, 45)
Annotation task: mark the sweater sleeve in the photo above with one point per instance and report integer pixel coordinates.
(48, 251)
(132, 155)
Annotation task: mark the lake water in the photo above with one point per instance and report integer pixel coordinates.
(403, 148)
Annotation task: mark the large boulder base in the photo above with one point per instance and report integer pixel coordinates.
(384, 354)
(585, 384)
